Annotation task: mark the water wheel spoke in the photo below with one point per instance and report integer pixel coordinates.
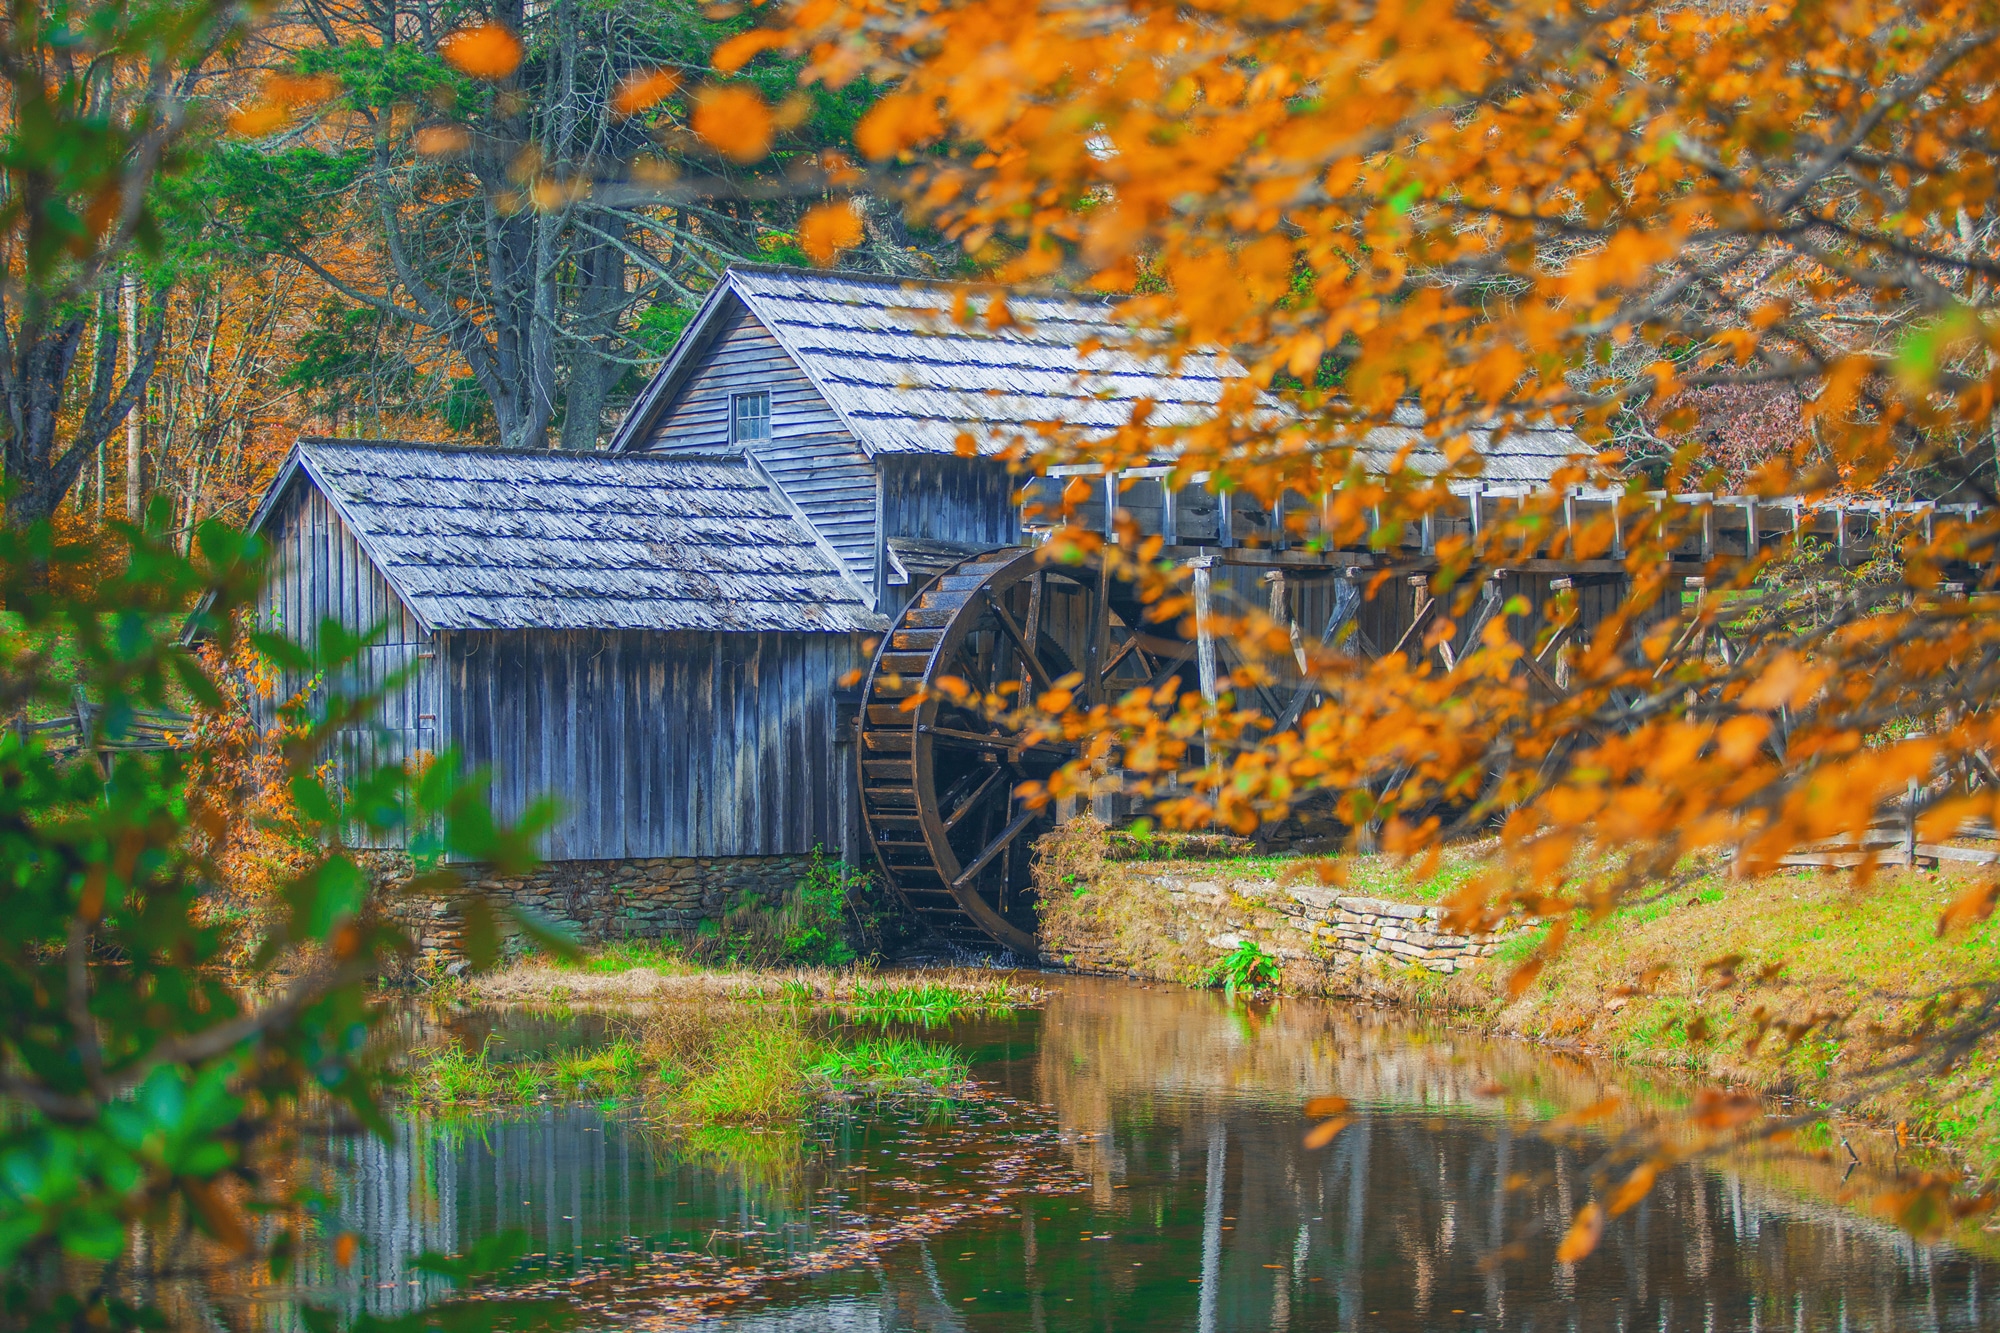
(997, 846)
(1008, 745)
(1026, 649)
(1126, 649)
(951, 821)
(1170, 663)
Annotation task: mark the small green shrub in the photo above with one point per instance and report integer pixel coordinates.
(889, 1065)
(930, 1001)
(616, 1070)
(757, 1076)
(453, 1076)
(1246, 967)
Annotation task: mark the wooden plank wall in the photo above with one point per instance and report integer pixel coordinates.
(321, 573)
(950, 499)
(659, 744)
(810, 454)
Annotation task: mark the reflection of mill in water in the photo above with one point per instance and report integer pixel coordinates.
(1198, 1208)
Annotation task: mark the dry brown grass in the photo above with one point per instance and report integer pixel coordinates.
(539, 982)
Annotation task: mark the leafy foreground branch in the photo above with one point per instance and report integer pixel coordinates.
(150, 1087)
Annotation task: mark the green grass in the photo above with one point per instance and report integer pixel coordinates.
(930, 1002)
(719, 1065)
(757, 1077)
(1848, 963)
(890, 1065)
(630, 956)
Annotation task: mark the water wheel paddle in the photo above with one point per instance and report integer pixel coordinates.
(940, 781)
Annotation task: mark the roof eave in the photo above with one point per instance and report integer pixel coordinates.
(359, 532)
(659, 391)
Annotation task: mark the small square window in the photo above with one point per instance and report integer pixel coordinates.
(749, 416)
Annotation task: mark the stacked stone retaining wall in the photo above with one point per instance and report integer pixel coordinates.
(599, 902)
(1175, 924)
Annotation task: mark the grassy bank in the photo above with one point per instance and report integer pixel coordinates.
(698, 1065)
(1802, 984)
(640, 973)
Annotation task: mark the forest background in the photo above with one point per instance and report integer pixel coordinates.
(358, 236)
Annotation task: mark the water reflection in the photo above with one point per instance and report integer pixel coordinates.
(1137, 1164)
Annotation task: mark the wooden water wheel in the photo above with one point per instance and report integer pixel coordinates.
(941, 781)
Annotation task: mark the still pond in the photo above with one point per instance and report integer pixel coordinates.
(1131, 1158)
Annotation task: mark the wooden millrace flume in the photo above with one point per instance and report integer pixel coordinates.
(941, 779)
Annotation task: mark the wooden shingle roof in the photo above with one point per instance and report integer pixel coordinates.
(519, 539)
(895, 363)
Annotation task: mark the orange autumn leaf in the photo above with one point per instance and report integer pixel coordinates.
(1969, 907)
(827, 230)
(895, 123)
(744, 47)
(1326, 1131)
(441, 140)
(1523, 977)
(1636, 1187)
(258, 120)
(488, 51)
(1583, 1235)
(642, 89)
(1326, 1106)
(1716, 1109)
(734, 121)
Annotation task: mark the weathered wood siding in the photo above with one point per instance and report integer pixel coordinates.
(320, 573)
(658, 744)
(810, 454)
(949, 499)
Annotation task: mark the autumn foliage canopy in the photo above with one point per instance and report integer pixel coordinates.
(1605, 216)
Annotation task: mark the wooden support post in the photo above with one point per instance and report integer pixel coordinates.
(1428, 539)
(1204, 627)
(1474, 498)
(1708, 530)
(1281, 614)
(1751, 541)
(1225, 520)
(1110, 505)
(1910, 826)
(1170, 513)
(1569, 521)
(1279, 537)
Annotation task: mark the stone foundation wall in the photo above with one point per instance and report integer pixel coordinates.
(1174, 925)
(600, 902)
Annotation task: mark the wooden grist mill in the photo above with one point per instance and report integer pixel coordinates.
(656, 634)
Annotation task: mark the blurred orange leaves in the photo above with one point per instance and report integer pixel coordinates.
(643, 89)
(488, 51)
(734, 120)
(828, 229)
